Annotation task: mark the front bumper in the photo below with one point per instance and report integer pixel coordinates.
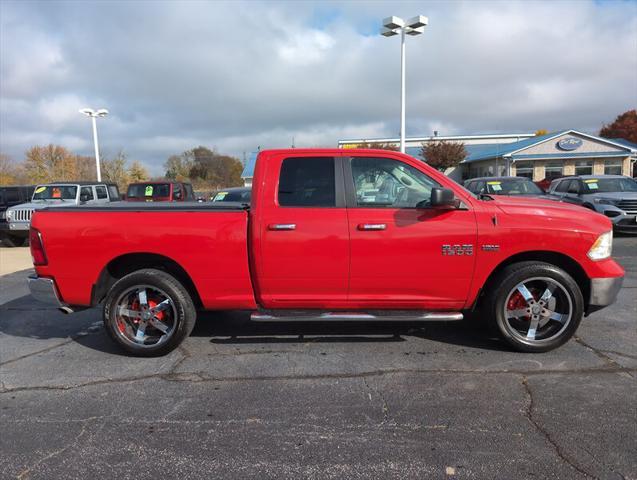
(604, 291)
(44, 290)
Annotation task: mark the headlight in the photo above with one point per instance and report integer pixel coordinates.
(604, 201)
(603, 247)
(9, 212)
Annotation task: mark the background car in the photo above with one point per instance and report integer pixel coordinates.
(52, 195)
(612, 195)
(9, 197)
(160, 191)
(514, 186)
(235, 194)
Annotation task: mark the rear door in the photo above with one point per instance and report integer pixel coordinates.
(301, 254)
(405, 254)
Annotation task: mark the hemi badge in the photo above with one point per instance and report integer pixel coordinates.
(490, 248)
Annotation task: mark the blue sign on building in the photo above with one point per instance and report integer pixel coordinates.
(569, 143)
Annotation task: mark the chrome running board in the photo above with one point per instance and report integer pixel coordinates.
(379, 316)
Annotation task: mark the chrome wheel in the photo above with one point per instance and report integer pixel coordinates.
(145, 316)
(537, 310)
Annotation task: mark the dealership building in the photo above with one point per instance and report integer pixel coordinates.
(556, 154)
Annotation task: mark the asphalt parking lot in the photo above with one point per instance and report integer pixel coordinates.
(242, 400)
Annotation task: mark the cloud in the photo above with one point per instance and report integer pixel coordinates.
(245, 74)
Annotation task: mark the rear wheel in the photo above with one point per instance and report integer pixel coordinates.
(535, 306)
(149, 313)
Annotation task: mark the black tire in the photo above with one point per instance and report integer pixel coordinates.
(182, 311)
(505, 284)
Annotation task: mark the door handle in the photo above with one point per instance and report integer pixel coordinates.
(372, 226)
(282, 226)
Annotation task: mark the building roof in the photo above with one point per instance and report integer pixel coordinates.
(624, 142)
(482, 136)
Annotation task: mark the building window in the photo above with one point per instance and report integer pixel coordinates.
(613, 167)
(524, 169)
(584, 167)
(553, 170)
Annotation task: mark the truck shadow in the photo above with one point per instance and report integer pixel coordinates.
(235, 328)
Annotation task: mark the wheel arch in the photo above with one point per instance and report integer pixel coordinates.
(561, 260)
(120, 266)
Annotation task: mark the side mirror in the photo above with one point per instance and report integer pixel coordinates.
(442, 198)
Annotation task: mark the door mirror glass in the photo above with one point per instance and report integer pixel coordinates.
(442, 198)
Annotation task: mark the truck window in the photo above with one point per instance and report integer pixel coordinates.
(562, 186)
(113, 193)
(100, 190)
(382, 182)
(307, 182)
(86, 194)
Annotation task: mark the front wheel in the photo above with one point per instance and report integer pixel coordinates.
(535, 306)
(149, 313)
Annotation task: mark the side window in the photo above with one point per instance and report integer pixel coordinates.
(113, 193)
(471, 186)
(177, 194)
(479, 187)
(382, 182)
(562, 187)
(307, 182)
(100, 190)
(190, 195)
(86, 194)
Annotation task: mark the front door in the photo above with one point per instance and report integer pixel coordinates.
(302, 254)
(405, 254)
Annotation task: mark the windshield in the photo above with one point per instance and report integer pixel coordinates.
(233, 196)
(55, 192)
(148, 190)
(607, 185)
(513, 187)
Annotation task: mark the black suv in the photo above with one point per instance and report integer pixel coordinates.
(10, 196)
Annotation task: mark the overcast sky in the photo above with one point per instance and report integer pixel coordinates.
(236, 76)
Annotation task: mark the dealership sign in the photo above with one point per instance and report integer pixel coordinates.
(569, 143)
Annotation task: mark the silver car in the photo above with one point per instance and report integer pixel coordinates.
(60, 194)
(612, 195)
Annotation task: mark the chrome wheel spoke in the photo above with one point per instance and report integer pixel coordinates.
(127, 312)
(159, 325)
(560, 317)
(526, 294)
(141, 332)
(530, 334)
(160, 307)
(517, 313)
(548, 293)
(143, 299)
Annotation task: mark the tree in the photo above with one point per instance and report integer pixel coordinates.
(443, 155)
(137, 172)
(178, 166)
(378, 146)
(50, 163)
(624, 126)
(541, 131)
(9, 171)
(210, 168)
(115, 171)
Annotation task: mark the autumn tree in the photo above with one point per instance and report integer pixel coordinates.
(9, 172)
(114, 170)
(212, 169)
(137, 172)
(50, 163)
(443, 155)
(378, 146)
(178, 167)
(540, 132)
(624, 126)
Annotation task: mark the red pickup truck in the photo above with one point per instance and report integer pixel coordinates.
(330, 235)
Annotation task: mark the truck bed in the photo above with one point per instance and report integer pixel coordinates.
(209, 241)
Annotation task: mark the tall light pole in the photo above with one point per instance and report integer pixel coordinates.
(394, 26)
(89, 112)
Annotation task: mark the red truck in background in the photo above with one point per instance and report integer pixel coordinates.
(160, 191)
(330, 235)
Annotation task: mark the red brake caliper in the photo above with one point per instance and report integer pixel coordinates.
(517, 302)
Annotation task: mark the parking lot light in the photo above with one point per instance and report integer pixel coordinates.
(394, 26)
(94, 114)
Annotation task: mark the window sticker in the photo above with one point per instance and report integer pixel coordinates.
(494, 183)
(592, 186)
(496, 187)
(56, 193)
(40, 189)
(149, 191)
(592, 180)
(220, 196)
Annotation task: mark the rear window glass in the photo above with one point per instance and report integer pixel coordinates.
(148, 190)
(101, 191)
(307, 182)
